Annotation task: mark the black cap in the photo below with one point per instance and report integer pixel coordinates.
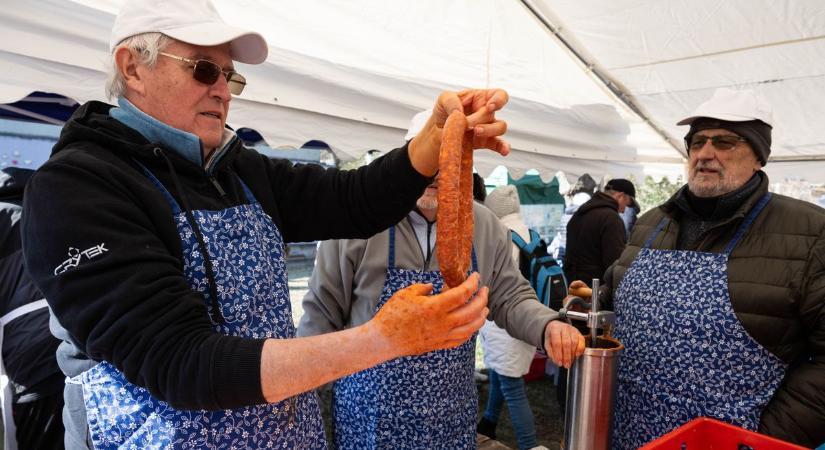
(621, 185)
(756, 132)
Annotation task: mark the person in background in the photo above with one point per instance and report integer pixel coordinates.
(507, 358)
(429, 400)
(629, 216)
(720, 293)
(596, 234)
(578, 195)
(158, 241)
(32, 400)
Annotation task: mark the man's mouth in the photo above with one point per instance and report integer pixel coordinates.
(212, 115)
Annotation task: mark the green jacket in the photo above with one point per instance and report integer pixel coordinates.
(776, 278)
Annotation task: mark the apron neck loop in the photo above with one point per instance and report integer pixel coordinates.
(749, 219)
(656, 232)
(754, 212)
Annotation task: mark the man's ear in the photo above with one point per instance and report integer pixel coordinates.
(128, 65)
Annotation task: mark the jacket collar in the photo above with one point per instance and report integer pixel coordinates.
(678, 203)
(185, 144)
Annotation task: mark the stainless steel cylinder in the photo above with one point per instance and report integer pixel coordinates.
(591, 395)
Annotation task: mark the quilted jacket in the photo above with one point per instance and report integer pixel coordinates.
(776, 277)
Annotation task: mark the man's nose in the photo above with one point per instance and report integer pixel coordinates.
(220, 90)
(707, 151)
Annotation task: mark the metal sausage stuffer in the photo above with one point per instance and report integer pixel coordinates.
(592, 381)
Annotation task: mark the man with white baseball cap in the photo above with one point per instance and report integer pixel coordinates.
(158, 240)
(720, 294)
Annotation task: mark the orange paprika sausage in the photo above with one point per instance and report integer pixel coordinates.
(454, 218)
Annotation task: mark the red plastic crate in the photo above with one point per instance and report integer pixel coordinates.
(704, 433)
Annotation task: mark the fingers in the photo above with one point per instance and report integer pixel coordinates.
(417, 290)
(580, 346)
(554, 347)
(457, 296)
(474, 309)
(470, 318)
(491, 99)
(498, 99)
(464, 331)
(493, 129)
(564, 343)
(447, 103)
(568, 347)
(495, 144)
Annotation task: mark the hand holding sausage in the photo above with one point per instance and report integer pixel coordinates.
(480, 107)
(412, 322)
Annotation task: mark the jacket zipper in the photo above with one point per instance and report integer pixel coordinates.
(217, 186)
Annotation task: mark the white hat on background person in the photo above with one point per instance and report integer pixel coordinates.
(417, 123)
(503, 201)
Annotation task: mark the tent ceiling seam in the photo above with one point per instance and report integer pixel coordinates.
(612, 85)
(721, 52)
(730, 85)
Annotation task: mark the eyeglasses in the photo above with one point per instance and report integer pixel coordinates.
(208, 72)
(722, 142)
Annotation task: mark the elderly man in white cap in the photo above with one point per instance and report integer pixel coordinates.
(429, 400)
(720, 292)
(158, 240)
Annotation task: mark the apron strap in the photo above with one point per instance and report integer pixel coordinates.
(749, 219)
(176, 209)
(391, 254)
(250, 197)
(9, 429)
(656, 232)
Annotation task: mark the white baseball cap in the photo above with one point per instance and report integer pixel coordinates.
(733, 106)
(191, 21)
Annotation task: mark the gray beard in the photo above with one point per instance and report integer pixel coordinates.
(705, 192)
(716, 190)
(425, 204)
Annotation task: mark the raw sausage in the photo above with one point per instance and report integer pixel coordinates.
(454, 230)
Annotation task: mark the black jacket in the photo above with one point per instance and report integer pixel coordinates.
(595, 238)
(776, 279)
(28, 346)
(132, 305)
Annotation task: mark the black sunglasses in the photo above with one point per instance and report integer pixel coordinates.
(208, 72)
(722, 142)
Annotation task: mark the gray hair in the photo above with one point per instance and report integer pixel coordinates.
(147, 45)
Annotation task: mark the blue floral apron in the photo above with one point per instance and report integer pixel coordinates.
(686, 353)
(427, 401)
(247, 253)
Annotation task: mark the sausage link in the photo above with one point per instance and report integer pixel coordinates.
(466, 202)
(454, 232)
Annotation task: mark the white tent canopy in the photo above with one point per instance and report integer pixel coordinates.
(353, 73)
